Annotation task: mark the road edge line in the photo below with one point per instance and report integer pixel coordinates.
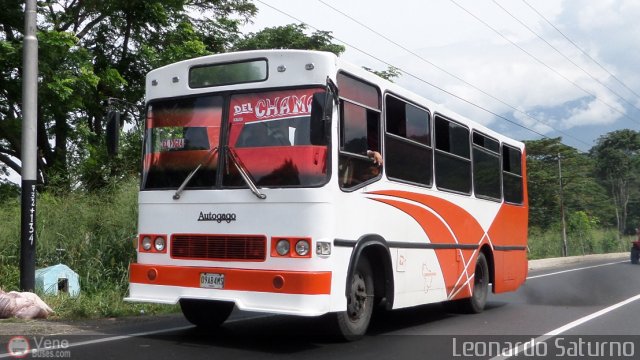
(570, 270)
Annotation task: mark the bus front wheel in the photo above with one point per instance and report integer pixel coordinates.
(353, 323)
(207, 314)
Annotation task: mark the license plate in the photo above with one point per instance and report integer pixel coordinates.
(211, 281)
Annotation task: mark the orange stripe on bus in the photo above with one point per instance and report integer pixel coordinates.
(509, 228)
(295, 282)
(438, 233)
(463, 224)
(465, 228)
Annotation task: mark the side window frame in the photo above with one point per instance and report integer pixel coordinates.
(390, 137)
(448, 153)
(352, 165)
(508, 173)
(494, 153)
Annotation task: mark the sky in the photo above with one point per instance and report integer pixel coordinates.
(526, 68)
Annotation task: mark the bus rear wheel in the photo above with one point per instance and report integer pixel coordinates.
(353, 323)
(475, 304)
(206, 314)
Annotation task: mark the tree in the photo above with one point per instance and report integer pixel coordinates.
(293, 36)
(91, 51)
(290, 36)
(617, 156)
(391, 73)
(581, 191)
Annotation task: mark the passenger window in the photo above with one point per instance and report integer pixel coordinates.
(452, 156)
(359, 132)
(408, 154)
(486, 167)
(512, 175)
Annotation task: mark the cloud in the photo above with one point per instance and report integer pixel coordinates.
(610, 32)
(593, 113)
(542, 83)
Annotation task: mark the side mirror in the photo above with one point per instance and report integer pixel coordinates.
(321, 110)
(113, 132)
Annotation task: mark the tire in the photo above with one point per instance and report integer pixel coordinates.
(353, 323)
(635, 255)
(206, 314)
(476, 303)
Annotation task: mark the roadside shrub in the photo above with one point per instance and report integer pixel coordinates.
(545, 243)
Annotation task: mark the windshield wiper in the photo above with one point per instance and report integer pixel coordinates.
(243, 173)
(204, 161)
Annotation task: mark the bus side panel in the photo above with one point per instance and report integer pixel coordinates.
(446, 224)
(509, 236)
(453, 232)
(417, 275)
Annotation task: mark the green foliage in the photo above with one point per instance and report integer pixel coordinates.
(105, 303)
(580, 233)
(290, 36)
(94, 231)
(547, 242)
(93, 234)
(391, 73)
(580, 189)
(544, 243)
(617, 156)
(91, 51)
(8, 191)
(9, 242)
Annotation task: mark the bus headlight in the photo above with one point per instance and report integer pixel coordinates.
(153, 243)
(283, 247)
(302, 247)
(160, 243)
(146, 243)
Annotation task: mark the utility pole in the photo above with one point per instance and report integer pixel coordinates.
(564, 223)
(29, 149)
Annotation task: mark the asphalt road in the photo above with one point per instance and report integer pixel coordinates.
(577, 310)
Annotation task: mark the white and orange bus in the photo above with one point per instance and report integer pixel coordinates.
(262, 188)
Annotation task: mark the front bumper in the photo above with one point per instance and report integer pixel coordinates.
(282, 292)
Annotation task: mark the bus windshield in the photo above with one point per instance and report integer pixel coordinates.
(269, 133)
(180, 135)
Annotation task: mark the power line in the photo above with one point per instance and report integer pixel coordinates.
(408, 73)
(542, 62)
(579, 48)
(563, 55)
(449, 73)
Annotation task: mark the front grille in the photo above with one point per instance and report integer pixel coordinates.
(219, 247)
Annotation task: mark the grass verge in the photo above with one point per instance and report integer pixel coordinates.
(92, 233)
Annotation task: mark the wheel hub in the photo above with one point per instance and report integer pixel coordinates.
(357, 297)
